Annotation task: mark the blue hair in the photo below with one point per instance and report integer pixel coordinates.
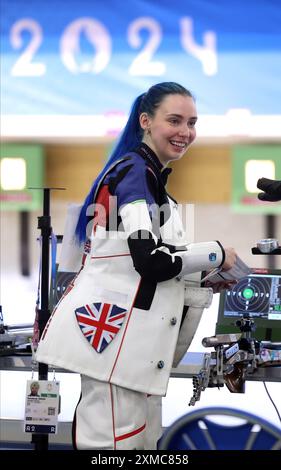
(130, 138)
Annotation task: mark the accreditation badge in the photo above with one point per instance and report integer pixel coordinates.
(42, 403)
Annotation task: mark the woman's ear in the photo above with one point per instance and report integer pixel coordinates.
(144, 121)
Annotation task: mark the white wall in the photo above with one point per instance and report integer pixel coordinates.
(18, 293)
(240, 231)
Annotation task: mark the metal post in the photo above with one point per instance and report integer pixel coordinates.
(40, 441)
(270, 228)
(24, 243)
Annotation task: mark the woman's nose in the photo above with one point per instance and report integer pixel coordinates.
(184, 130)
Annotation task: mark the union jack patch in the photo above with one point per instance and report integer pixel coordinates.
(99, 323)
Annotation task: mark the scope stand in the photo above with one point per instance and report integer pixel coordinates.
(40, 441)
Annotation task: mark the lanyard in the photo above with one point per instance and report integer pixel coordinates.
(35, 338)
(54, 259)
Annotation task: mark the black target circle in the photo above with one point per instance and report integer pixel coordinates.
(250, 295)
(63, 279)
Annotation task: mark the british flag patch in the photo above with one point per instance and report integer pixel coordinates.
(99, 323)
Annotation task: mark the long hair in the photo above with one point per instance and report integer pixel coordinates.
(130, 138)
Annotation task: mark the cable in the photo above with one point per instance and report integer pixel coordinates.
(276, 409)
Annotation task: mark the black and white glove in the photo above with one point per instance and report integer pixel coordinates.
(271, 188)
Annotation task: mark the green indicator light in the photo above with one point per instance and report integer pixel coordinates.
(248, 293)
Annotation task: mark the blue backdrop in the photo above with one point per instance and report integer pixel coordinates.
(95, 56)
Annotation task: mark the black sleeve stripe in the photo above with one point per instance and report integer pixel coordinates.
(223, 253)
(115, 180)
(145, 294)
(159, 266)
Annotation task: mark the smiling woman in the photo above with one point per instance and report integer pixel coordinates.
(171, 130)
(123, 323)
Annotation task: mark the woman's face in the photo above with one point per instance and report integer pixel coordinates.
(172, 129)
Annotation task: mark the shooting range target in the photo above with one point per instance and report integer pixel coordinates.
(250, 295)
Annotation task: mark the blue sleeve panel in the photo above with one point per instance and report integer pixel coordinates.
(130, 181)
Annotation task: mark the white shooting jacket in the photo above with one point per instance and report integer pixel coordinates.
(149, 342)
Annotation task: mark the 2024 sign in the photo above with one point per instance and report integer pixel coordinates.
(99, 37)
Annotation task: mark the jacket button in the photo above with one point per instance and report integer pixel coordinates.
(160, 364)
(173, 321)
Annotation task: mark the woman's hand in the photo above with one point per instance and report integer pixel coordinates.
(230, 258)
(218, 287)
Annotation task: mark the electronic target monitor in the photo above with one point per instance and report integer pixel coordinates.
(62, 281)
(259, 296)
